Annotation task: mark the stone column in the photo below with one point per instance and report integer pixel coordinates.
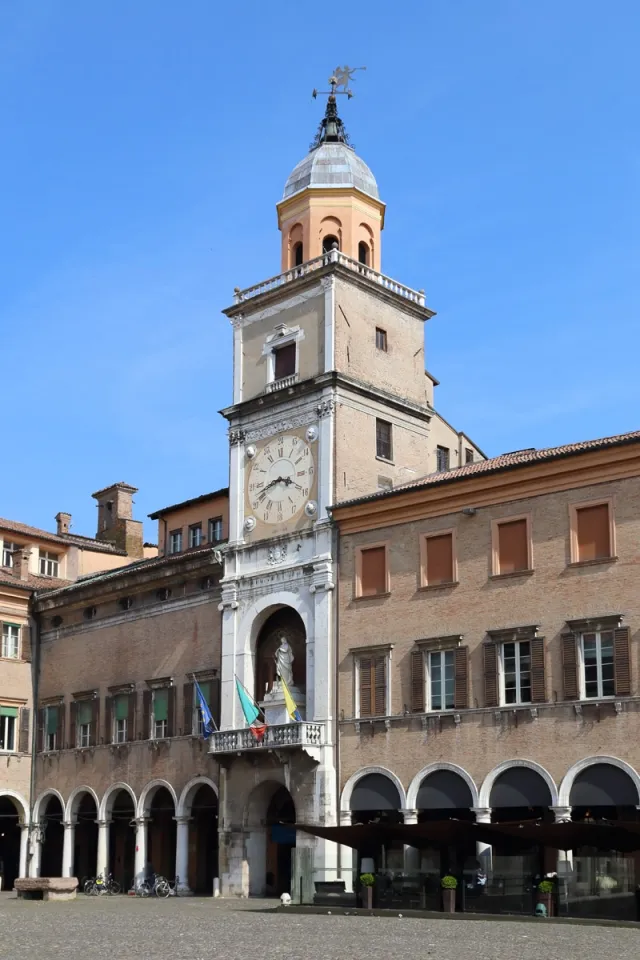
(141, 848)
(565, 857)
(483, 850)
(35, 849)
(182, 853)
(102, 861)
(411, 854)
(346, 855)
(67, 847)
(24, 846)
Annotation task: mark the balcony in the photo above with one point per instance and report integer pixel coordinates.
(282, 383)
(415, 296)
(286, 736)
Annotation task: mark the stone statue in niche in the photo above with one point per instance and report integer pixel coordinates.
(284, 662)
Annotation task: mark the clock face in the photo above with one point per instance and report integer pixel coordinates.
(281, 479)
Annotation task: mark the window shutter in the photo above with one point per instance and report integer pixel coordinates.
(417, 681)
(95, 720)
(187, 698)
(569, 667)
(365, 687)
(538, 691)
(513, 553)
(461, 673)
(25, 638)
(622, 665)
(490, 675)
(23, 743)
(171, 711)
(380, 701)
(373, 571)
(214, 706)
(108, 720)
(60, 744)
(146, 715)
(73, 708)
(593, 532)
(439, 559)
(40, 738)
(131, 718)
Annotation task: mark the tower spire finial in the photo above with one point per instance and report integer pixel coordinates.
(331, 129)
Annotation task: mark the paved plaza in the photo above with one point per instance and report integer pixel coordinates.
(122, 928)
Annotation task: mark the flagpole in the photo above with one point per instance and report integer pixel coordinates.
(258, 707)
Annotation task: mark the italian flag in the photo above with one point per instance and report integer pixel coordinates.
(251, 712)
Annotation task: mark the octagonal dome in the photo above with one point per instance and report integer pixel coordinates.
(331, 165)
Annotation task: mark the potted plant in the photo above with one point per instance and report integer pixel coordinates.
(449, 885)
(545, 896)
(367, 880)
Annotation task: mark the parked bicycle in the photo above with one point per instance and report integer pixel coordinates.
(158, 886)
(97, 886)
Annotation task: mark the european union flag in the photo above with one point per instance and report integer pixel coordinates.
(208, 723)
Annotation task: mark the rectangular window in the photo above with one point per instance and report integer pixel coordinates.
(381, 339)
(592, 533)
(438, 562)
(468, 455)
(8, 723)
(284, 361)
(371, 571)
(10, 641)
(384, 445)
(161, 713)
(516, 672)
(441, 683)
(511, 546)
(205, 686)
(51, 718)
(49, 564)
(598, 672)
(372, 686)
(195, 535)
(175, 541)
(84, 715)
(7, 553)
(442, 459)
(215, 529)
(120, 717)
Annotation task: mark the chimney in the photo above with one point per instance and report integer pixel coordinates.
(63, 521)
(21, 558)
(115, 519)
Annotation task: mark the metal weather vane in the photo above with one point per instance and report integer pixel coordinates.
(341, 77)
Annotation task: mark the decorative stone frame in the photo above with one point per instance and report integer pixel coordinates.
(488, 782)
(564, 793)
(573, 530)
(495, 545)
(347, 790)
(416, 783)
(357, 573)
(281, 337)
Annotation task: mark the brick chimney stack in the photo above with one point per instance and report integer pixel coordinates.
(63, 521)
(21, 558)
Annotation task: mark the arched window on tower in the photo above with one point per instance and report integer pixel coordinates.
(363, 253)
(298, 254)
(328, 242)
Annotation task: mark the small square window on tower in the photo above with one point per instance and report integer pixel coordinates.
(384, 445)
(284, 361)
(381, 339)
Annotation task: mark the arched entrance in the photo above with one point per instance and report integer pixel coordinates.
(52, 830)
(203, 840)
(271, 837)
(375, 798)
(284, 622)
(122, 838)
(161, 834)
(10, 814)
(85, 845)
(445, 795)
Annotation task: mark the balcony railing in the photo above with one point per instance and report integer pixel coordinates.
(283, 736)
(415, 296)
(282, 382)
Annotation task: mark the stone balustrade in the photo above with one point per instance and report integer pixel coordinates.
(282, 736)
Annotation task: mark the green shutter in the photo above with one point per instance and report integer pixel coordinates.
(206, 691)
(84, 712)
(52, 720)
(8, 711)
(161, 704)
(122, 707)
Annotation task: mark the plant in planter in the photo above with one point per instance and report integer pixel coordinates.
(367, 880)
(449, 885)
(545, 897)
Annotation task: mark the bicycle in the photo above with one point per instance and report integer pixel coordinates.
(97, 886)
(158, 886)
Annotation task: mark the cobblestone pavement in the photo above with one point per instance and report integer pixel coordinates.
(121, 928)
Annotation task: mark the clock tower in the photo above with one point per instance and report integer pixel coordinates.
(330, 400)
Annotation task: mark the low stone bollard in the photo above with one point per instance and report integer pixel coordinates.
(46, 888)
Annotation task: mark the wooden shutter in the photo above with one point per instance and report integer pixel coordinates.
(373, 571)
(513, 551)
(187, 699)
(366, 708)
(95, 722)
(285, 361)
(73, 709)
(490, 654)
(146, 714)
(380, 677)
(569, 667)
(25, 638)
(131, 718)
(439, 568)
(40, 737)
(171, 711)
(592, 529)
(622, 665)
(60, 744)
(461, 674)
(23, 741)
(417, 681)
(108, 720)
(538, 690)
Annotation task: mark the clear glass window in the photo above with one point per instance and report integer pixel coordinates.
(598, 665)
(175, 541)
(7, 553)
(49, 564)
(215, 529)
(10, 641)
(516, 672)
(195, 535)
(7, 733)
(51, 728)
(441, 680)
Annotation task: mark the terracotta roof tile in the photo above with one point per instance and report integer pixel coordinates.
(33, 582)
(71, 539)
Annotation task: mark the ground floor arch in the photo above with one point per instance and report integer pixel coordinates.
(198, 812)
(161, 832)
(13, 817)
(51, 824)
(271, 837)
(120, 815)
(85, 835)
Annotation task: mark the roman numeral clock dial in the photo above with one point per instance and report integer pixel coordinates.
(281, 480)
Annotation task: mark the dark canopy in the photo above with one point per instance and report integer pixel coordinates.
(520, 787)
(444, 790)
(375, 792)
(603, 785)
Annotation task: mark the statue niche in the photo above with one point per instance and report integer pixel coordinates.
(275, 658)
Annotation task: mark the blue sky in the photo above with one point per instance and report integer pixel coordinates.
(145, 144)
